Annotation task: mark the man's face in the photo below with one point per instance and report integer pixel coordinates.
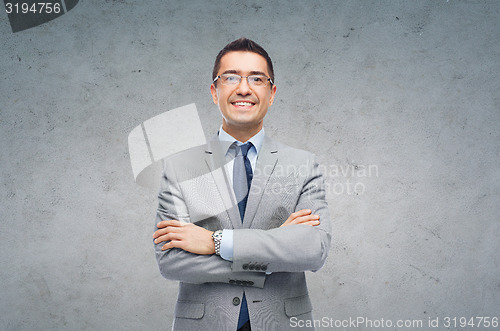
(243, 107)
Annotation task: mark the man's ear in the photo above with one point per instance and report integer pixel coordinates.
(273, 93)
(213, 90)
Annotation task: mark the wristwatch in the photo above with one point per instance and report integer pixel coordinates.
(217, 237)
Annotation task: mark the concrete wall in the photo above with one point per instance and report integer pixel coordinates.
(409, 88)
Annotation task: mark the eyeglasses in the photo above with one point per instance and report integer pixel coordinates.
(252, 80)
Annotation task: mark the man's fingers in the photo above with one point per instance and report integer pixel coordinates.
(168, 236)
(312, 220)
(300, 217)
(171, 244)
(311, 223)
(296, 214)
(299, 213)
(160, 232)
(164, 224)
(303, 219)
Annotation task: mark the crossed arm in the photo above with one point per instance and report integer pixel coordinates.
(197, 240)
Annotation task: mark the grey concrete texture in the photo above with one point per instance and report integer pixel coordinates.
(400, 100)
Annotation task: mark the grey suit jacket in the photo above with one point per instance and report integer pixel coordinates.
(195, 188)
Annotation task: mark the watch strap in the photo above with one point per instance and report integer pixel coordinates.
(217, 237)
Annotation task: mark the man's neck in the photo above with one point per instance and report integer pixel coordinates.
(241, 133)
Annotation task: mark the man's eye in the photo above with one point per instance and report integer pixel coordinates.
(231, 79)
(256, 79)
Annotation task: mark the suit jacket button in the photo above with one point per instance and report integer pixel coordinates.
(264, 268)
(238, 282)
(244, 283)
(257, 267)
(251, 267)
(245, 266)
(232, 281)
(250, 283)
(236, 301)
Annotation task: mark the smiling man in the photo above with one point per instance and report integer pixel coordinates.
(239, 234)
(243, 102)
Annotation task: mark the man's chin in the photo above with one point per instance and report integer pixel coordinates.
(243, 110)
(244, 124)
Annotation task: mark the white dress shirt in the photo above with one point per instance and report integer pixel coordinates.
(226, 245)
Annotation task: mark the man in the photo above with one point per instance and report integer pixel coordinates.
(240, 220)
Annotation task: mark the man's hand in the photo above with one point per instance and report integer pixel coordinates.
(302, 216)
(186, 236)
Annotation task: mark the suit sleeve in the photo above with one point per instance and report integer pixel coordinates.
(177, 264)
(292, 248)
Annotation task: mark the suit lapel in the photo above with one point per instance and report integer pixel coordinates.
(215, 159)
(266, 162)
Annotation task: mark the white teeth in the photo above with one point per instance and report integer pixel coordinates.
(243, 104)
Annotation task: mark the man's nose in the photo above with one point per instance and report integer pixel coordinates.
(243, 87)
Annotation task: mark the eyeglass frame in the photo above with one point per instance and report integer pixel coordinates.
(268, 79)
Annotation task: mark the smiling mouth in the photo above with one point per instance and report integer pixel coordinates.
(242, 104)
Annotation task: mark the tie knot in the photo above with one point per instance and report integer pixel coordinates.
(244, 149)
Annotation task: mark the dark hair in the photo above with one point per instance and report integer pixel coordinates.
(243, 45)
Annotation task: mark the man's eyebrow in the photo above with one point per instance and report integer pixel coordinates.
(238, 72)
(231, 72)
(257, 73)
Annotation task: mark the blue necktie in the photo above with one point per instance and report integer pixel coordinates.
(242, 178)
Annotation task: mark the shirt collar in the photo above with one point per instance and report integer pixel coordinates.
(256, 140)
